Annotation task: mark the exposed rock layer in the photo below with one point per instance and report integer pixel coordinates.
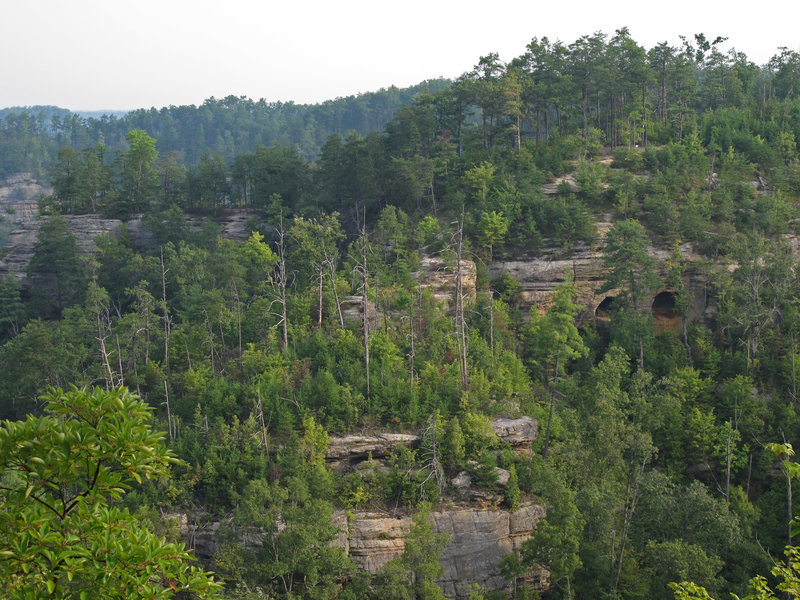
(479, 539)
(538, 277)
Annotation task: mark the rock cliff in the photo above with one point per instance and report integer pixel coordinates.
(18, 251)
(481, 534)
(538, 276)
(19, 196)
(479, 539)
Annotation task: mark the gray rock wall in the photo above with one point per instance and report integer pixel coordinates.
(479, 539)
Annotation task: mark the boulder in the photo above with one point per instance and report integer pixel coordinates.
(517, 432)
(361, 447)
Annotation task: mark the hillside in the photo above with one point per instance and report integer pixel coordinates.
(30, 137)
(596, 240)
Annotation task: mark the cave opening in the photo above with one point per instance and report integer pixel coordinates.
(603, 311)
(666, 315)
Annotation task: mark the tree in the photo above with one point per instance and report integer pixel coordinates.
(788, 575)
(57, 273)
(60, 537)
(493, 228)
(556, 341)
(137, 173)
(791, 470)
(316, 245)
(12, 310)
(296, 558)
(412, 575)
(753, 298)
(555, 542)
(631, 270)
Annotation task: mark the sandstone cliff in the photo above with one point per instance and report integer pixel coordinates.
(537, 276)
(481, 534)
(19, 196)
(479, 539)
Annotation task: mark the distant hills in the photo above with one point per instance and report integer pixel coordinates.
(30, 136)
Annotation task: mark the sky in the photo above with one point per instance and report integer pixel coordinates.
(123, 54)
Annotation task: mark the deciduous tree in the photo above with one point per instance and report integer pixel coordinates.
(60, 536)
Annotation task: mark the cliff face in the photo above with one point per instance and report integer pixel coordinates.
(538, 277)
(18, 251)
(19, 196)
(479, 539)
(480, 533)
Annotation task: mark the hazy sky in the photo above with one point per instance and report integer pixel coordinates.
(121, 54)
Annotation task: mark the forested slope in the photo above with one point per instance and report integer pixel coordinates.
(30, 137)
(651, 457)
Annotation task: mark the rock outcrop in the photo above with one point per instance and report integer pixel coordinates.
(517, 432)
(439, 276)
(479, 539)
(538, 276)
(344, 452)
(481, 534)
(19, 195)
(18, 251)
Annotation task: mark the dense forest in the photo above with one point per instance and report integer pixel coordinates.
(665, 455)
(31, 137)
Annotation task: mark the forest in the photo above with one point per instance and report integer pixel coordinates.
(665, 454)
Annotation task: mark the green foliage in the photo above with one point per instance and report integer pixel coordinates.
(454, 448)
(295, 559)
(512, 493)
(413, 574)
(12, 309)
(676, 560)
(61, 537)
(787, 574)
(555, 542)
(705, 152)
(478, 434)
(58, 275)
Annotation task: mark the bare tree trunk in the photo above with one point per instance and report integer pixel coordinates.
(264, 440)
(412, 351)
(210, 339)
(104, 355)
(630, 506)
(238, 313)
(552, 402)
(169, 414)
(728, 460)
(364, 300)
(167, 324)
(319, 296)
(332, 274)
(458, 319)
(282, 283)
(119, 363)
(430, 438)
(491, 324)
(789, 507)
(794, 373)
(711, 171)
